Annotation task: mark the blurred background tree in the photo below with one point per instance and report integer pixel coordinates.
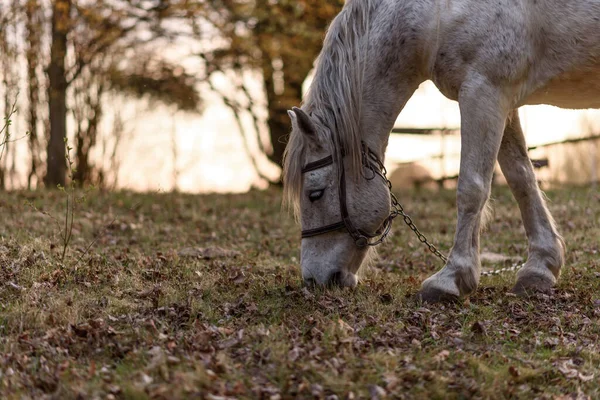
(279, 40)
(111, 42)
(77, 55)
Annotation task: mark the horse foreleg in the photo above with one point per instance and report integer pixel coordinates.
(483, 115)
(546, 247)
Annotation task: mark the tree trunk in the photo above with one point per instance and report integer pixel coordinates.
(85, 140)
(279, 103)
(33, 49)
(82, 172)
(57, 94)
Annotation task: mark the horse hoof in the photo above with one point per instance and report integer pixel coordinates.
(532, 284)
(434, 295)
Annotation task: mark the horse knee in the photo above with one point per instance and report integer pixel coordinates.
(516, 171)
(473, 193)
(520, 177)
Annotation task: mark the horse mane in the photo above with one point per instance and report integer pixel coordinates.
(334, 97)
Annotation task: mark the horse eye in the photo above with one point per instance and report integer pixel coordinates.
(315, 195)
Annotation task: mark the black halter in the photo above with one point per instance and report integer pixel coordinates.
(361, 238)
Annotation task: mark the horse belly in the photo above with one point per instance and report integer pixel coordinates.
(574, 90)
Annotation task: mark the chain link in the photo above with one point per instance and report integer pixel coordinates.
(398, 210)
(408, 221)
(502, 270)
(423, 239)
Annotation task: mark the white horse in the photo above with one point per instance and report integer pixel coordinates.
(490, 56)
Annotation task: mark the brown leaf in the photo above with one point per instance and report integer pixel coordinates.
(566, 367)
(237, 277)
(227, 343)
(146, 379)
(307, 294)
(294, 354)
(114, 389)
(441, 356)
(15, 286)
(478, 328)
(81, 330)
(316, 389)
(391, 381)
(344, 326)
(585, 378)
(386, 298)
(150, 293)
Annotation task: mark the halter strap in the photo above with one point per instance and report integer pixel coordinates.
(361, 238)
(324, 229)
(323, 162)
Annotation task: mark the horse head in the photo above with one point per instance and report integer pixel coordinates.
(342, 209)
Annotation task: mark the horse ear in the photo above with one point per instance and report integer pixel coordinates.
(301, 121)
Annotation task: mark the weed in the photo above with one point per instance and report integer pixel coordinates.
(5, 136)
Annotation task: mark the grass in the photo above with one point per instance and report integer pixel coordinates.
(136, 318)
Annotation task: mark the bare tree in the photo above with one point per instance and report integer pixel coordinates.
(57, 93)
(279, 40)
(33, 50)
(102, 33)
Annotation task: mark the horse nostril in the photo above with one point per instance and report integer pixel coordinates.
(310, 282)
(335, 279)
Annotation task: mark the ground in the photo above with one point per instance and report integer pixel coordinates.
(182, 296)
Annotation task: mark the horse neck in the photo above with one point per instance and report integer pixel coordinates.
(383, 101)
(398, 64)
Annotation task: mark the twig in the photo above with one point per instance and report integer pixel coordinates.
(7, 123)
(69, 211)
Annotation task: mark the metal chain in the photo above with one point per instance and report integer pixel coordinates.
(423, 239)
(398, 210)
(502, 270)
(408, 221)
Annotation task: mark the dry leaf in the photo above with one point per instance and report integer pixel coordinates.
(567, 368)
(585, 378)
(441, 356)
(478, 328)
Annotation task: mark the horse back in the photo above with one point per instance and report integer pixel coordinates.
(548, 52)
(566, 63)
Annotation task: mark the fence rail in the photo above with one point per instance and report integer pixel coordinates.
(428, 131)
(566, 141)
(537, 163)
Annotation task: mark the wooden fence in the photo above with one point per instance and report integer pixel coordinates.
(443, 132)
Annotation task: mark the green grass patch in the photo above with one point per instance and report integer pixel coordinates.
(135, 317)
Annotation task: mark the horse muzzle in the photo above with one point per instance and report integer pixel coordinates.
(336, 278)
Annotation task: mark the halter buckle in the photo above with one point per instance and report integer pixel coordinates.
(361, 241)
